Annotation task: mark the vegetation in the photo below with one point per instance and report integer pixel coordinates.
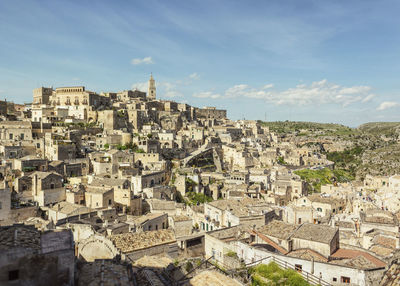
(176, 262)
(232, 254)
(348, 159)
(106, 146)
(272, 274)
(305, 128)
(380, 128)
(188, 266)
(129, 146)
(317, 178)
(281, 161)
(29, 169)
(197, 198)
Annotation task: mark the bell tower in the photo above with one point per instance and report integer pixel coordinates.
(152, 88)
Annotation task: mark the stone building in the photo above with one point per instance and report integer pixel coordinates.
(148, 222)
(344, 267)
(99, 197)
(15, 131)
(5, 202)
(30, 257)
(151, 94)
(42, 95)
(47, 188)
(211, 113)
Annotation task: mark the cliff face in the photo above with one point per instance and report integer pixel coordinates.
(392, 275)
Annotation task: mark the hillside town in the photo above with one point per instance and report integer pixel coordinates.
(122, 188)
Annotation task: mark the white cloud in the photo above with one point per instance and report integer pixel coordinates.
(368, 98)
(207, 94)
(168, 90)
(318, 92)
(387, 104)
(194, 75)
(139, 61)
(142, 86)
(268, 86)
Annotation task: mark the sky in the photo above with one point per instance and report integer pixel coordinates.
(324, 61)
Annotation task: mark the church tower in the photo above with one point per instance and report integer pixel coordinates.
(152, 88)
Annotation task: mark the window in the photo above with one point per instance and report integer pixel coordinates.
(319, 209)
(0, 206)
(298, 267)
(334, 279)
(149, 227)
(109, 202)
(299, 220)
(156, 226)
(52, 186)
(344, 279)
(11, 136)
(13, 275)
(22, 136)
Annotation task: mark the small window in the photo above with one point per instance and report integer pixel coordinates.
(334, 279)
(52, 186)
(109, 202)
(344, 279)
(13, 275)
(298, 267)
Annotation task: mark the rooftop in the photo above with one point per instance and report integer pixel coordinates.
(315, 232)
(19, 236)
(356, 258)
(129, 242)
(70, 208)
(278, 229)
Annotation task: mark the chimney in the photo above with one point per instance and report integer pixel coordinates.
(15, 236)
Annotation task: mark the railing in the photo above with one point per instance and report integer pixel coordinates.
(310, 278)
(195, 268)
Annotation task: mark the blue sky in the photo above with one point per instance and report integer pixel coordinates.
(327, 61)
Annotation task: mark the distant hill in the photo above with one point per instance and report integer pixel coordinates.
(293, 126)
(380, 128)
